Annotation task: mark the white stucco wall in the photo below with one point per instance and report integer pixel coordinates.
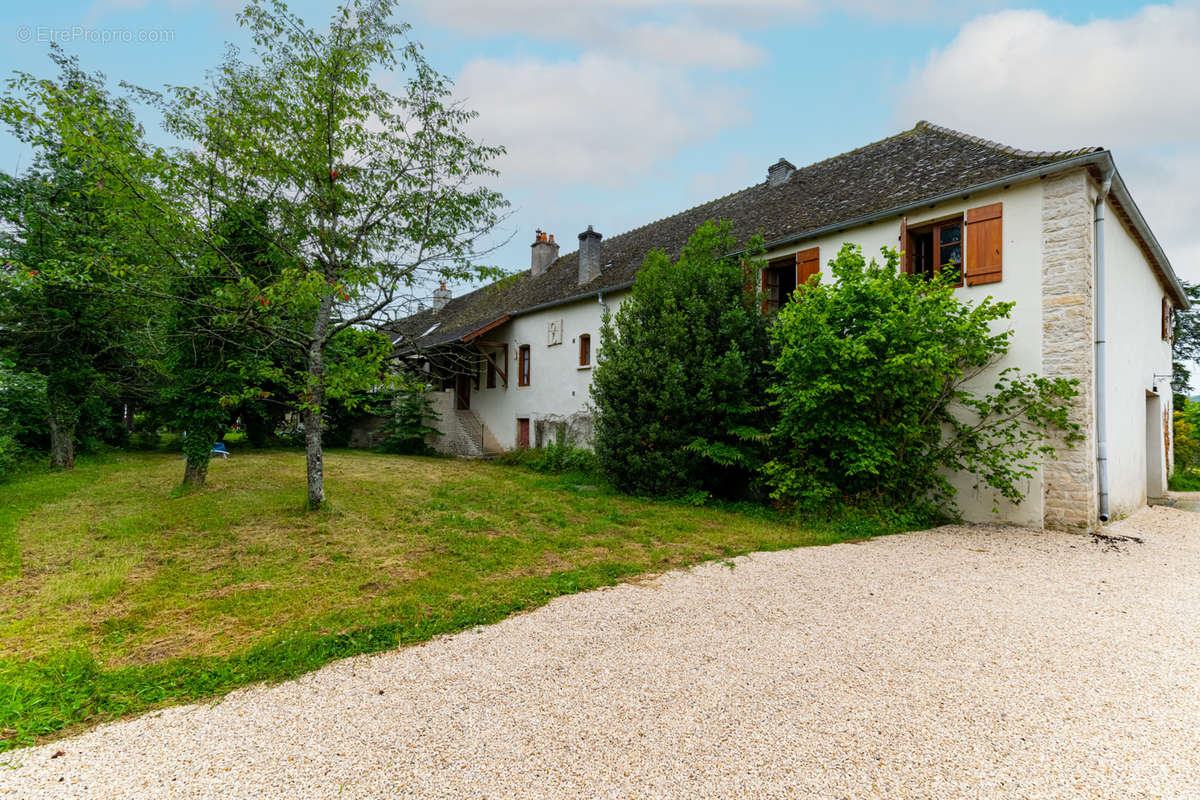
(559, 387)
(1136, 351)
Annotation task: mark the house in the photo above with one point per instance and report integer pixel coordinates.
(1057, 233)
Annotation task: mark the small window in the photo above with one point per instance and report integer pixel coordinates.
(523, 365)
(585, 350)
(779, 282)
(936, 247)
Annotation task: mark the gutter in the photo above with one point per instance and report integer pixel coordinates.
(1101, 323)
(597, 293)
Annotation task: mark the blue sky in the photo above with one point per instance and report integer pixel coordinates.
(619, 112)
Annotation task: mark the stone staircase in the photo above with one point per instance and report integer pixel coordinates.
(476, 441)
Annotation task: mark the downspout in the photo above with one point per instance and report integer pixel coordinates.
(1101, 345)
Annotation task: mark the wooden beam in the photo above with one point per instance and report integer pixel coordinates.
(501, 370)
(480, 331)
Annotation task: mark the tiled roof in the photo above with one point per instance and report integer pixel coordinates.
(924, 162)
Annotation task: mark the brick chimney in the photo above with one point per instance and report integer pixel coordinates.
(545, 251)
(780, 171)
(441, 296)
(591, 255)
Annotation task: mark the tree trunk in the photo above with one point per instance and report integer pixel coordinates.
(312, 411)
(63, 399)
(314, 457)
(62, 443)
(195, 472)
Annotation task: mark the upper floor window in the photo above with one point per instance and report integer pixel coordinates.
(782, 276)
(585, 350)
(779, 282)
(936, 247)
(523, 365)
(971, 245)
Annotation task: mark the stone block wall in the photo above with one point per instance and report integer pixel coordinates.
(1068, 345)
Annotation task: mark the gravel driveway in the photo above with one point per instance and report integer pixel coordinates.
(962, 662)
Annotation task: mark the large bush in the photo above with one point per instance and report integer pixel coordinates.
(409, 412)
(874, 386)
(681, 374)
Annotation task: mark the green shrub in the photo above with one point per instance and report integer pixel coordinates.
(23, 408)
(1187, 480)
(145, 439)
(406, 430)
(871, 386)
(680, 379)
(560, 456)
(11, 454)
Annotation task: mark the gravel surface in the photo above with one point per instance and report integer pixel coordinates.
(968, 661)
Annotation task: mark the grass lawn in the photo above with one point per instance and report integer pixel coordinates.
(116, 597)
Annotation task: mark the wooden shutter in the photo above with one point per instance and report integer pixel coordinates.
(904, 263)
(1166, 319)
(983, 259)
(808, 263)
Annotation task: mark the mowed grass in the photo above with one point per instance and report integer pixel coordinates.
(117, 597)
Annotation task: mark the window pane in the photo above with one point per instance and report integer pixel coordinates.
(951, 234)
(951, 254)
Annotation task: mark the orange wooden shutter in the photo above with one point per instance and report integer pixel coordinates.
(808, 263)
(904, 264)
(985, 242)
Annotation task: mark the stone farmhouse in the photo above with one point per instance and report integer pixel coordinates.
(1057, 233)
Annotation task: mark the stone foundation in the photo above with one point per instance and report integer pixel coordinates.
(1068, 345)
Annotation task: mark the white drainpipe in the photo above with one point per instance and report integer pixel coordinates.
(1101, 346)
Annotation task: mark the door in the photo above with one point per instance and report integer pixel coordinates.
(523, 433)
(462, 392)
(1156, 455)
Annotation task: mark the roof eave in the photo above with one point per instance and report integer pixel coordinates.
(1102, 159)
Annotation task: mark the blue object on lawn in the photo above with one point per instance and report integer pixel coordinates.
(219, 449)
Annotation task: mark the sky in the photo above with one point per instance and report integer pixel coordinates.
(616, 113)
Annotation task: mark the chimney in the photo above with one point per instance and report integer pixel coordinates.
(440, 298)
(545, 251)
(590, 256)
(780, 171)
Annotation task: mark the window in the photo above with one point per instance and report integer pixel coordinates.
(523, 365)
(779, 282)
(973, 247)
(936, 247)
(585, 350)
(491, 374)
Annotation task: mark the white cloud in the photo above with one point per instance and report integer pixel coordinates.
(1022, 73)
(1026, 79)
(690, 46)
(599, 119)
